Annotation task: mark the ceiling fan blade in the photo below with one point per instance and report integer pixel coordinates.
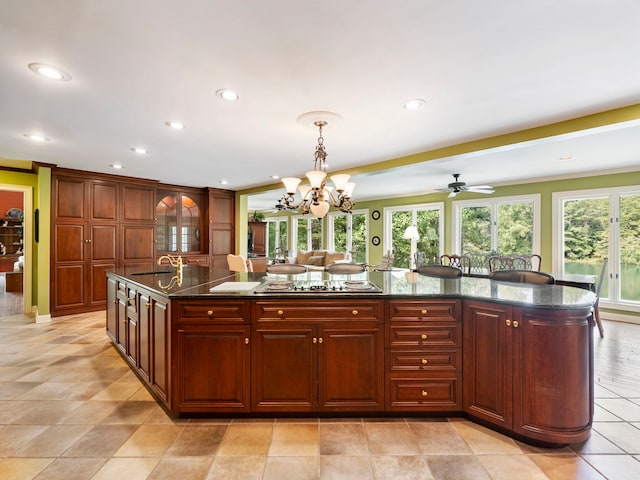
(480, 189)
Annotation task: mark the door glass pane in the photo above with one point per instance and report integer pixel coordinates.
(302, 243)
(401, 247)
(515, 228)
(316, 234)
(429, 243)
(166, 224)
(340, 233)
(476, 230)
(629, 248)
(190, 241)
(586, 236)
(359, 237)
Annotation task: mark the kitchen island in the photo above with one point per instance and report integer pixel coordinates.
(518, 358)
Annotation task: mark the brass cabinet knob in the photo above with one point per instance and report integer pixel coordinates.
(355, 312)
(246, 341)
(425, 393)
(320, 340)
(424, 336)
(280, 312)
(148, 304)
(508, 322)
(423, 311)
(315, 340)
(209, 312)
(515, 324)
(424, 361)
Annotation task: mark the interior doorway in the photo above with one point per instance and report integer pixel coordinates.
(15, 249)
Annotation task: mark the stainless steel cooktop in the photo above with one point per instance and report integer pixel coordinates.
(317, 286)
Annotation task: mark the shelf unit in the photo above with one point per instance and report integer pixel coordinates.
(11, 231)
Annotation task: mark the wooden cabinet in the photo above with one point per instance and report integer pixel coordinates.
(529, 370)
(221, 227)
(212, 355)
(424, 355)
(257, 238)
(98, 224)
(317, 356)
(180, 217)
(11, 239)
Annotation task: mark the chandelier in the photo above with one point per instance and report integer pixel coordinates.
(317, 196)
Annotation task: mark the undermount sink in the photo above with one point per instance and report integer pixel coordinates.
(153, 272)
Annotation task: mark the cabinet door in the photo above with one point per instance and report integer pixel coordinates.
(553, 383)
(68, 199)
(160, 347)
(137, 204)
(283, 369)
(351, 367)
(112, 308)
(488, 365)
(213, 368)
(144, 335)
(104, 201)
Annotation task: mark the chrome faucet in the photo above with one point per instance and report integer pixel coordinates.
(173, 261)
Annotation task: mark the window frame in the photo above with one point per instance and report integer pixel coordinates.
(330, 230)
(294, 232)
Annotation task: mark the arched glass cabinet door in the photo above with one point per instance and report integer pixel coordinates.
(177, 224)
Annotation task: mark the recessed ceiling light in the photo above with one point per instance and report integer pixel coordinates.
(416, 104)
(567, 157)
(227, 94)
(50, 72)
(275, 177)
(176, 125)
(224, 181)
(36, 137)
(117, 166)
(139, 150)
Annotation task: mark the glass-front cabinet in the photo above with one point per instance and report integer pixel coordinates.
(179, 220)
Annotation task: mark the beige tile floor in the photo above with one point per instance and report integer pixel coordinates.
(70, 408)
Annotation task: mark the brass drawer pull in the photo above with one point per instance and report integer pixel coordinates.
(280, 312)
(209, 312)
(508, 322)
(246, 341)
(423, 311)
(424, 336)
(424, 361)
(425, 393)
(355, 312)
(148, 304)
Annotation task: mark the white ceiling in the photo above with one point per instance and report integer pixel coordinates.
(483, 68)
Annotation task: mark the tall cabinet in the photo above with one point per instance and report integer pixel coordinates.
(98, 224)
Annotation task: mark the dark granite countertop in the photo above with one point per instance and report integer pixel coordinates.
(198, 281)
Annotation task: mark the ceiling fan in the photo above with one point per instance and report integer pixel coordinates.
(457, 186)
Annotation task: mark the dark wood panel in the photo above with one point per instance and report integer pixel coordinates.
(424, 393)
(138, 204)
(68, 198)
(98, 282)
(222, 241)
(441, 360)
(69, 243)
(424, 310)
(102, 242)
(104, 201)
(160, 352)
(414, 335)
(137, 242)
(219, 311)
(69, 291)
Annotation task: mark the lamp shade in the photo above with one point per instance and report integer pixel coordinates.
(348, 191)
(304, 189)
(316, 177)
(340, 181)
(290, 184)
(320, 210)
(411, 233)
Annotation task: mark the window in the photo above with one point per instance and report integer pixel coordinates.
(506, 225)
(594, 224)
(307, 233)
(428, 220)
(348, 233)
(276, 236)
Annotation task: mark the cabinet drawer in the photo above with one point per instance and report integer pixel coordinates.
(407, 311)
(234, 312)
(423, 393)
(201, 260)
(399, 360)
(327, 310)
(421, 335)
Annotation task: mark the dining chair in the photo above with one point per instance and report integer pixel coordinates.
(522, 276)
(595, 311)
(286, 268)
(515, 262)
(459, 261)
(441, 271)
(344, 268)
(237, 263)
